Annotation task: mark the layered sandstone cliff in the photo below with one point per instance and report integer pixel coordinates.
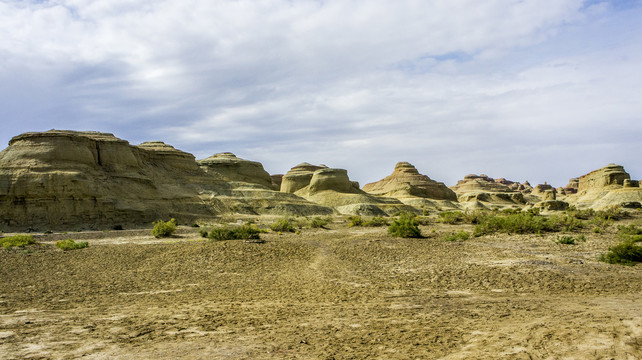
(333, 188)
(70, 179)
(607, 186)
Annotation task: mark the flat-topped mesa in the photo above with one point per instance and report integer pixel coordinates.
(604, 187)
(61, 149)
(406, 181)
(63, 179)
(299, 177)
(161, 153)
(611, 175)
(232, 168)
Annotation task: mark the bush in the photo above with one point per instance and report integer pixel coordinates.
(203, 233)
(243, 232)
(70, 244)
(376, 221)
(522, 223)
(164, 228)
(460, 235)
(629, 230)
(450, 217)
(17, 241)
(611, 213)
(355, 220)
(567, 223)
(284, 224)
(319, 222)
(625, 253)
(570, 240)
(405, 226)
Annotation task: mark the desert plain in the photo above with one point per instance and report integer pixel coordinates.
(335, 293)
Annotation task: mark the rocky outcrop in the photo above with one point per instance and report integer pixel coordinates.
(482, 191)
(607, 186)
(406, 181)
(332, 187)
(231, 168)
(299, 177)
(609, 176)
(69, 179)
(66, 179)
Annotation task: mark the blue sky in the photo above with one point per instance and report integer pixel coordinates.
(538, 90)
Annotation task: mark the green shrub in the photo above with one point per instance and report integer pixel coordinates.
(203, 233)
(319, 222)
(164, 228)
(70, 244)
(243, 232)
(450, 217)
(376, 221)
(17, 241)
(598, 230)
(566, 240)
(625, 253)
(614, 213)
(460, 235)
(521, 223)
(355, 220)
(567, 222)
(629, 230)
(284, 224)
(405, 226)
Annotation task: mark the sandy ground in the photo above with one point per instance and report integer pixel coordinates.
(341, 293)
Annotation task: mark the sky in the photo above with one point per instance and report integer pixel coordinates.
(537, 90)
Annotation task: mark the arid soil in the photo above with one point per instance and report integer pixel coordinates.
(340, 293)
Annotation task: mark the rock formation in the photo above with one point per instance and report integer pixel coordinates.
(332, 187)
(231, 168)
(406, 181)
(63, 179)
(412, 188)
(69, 179)
(604, 187)
(482, 191)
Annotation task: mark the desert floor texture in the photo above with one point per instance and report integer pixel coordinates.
(336, 293)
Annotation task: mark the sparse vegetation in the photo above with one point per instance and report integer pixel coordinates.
(460, 235)
(376, 221)
(625, 253)
(17, 241)
(283, 225)
(243, 232)
(520, 223)
(70, 244)
(569, 240)
(450, 217)
(164, 228)
(320, 222)
(405, 226)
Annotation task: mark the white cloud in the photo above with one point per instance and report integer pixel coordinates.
(510, 88)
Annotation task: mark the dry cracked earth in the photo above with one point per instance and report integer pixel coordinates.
(337, 293)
